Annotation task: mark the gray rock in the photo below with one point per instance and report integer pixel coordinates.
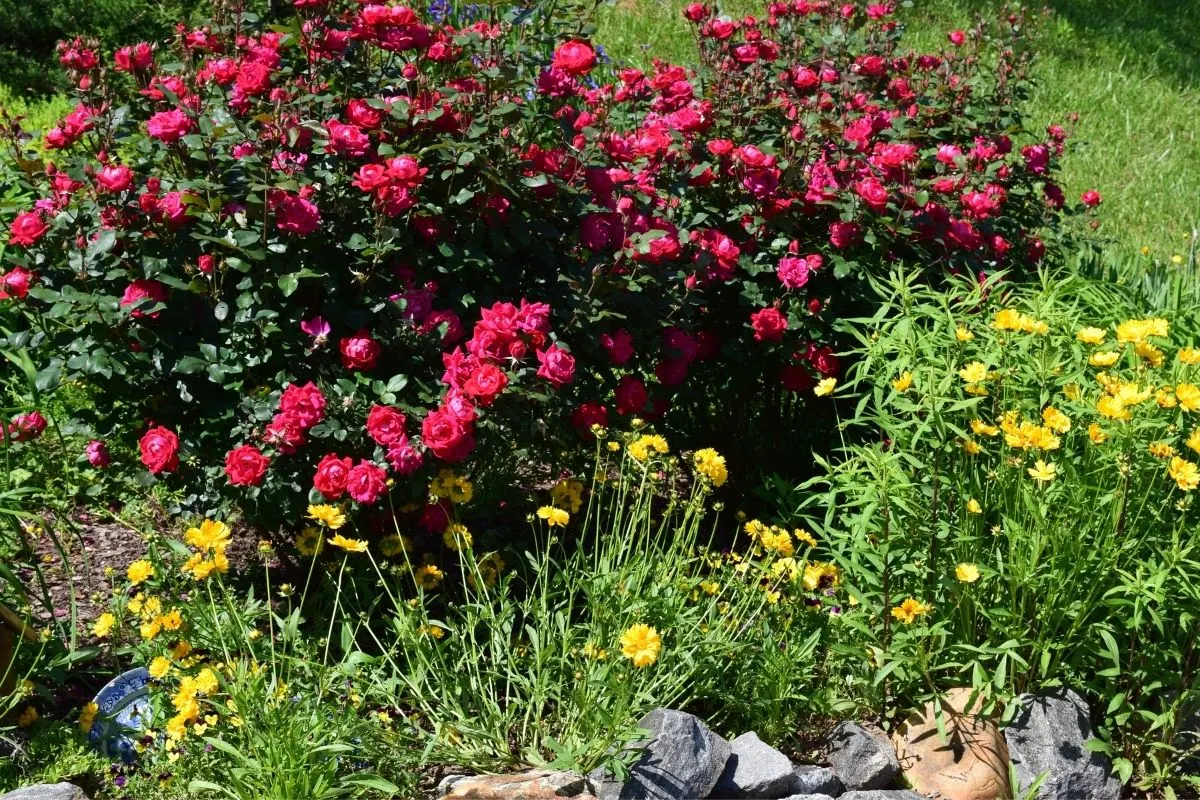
(817, 780)
(808, 797)
(1049, 735)
(883, 794)
(447, 783)
(681, 760)
(755, 769)
(861, 759)
(47, 791)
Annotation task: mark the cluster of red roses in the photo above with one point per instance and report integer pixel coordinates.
(377, 162)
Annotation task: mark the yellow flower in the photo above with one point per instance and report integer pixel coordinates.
(428, 576)
(181, 650)
(908, 611)
(786, 569)
(87, 716)
(1112, 408)
(819, 575)
(394, 545)
(594, 651)
(211, 535)
(641, 645)
(555, 517)
(1189, 396)
(1092, 336)
(973, 506)
(641, 447)
(568, 494)
(967, 573)
(981, 428)
(139, 571)
(963, 334)
(971, 447)
(1193, 440)
(1165, 398)
(1149, 353)
(903, 382)
(1189, 355)
(456, 537)
(776, 540)
(309, 542)
(103, 625)
(804, 536)
(1161, 449)
(329, 516)
(825, 387)
(975, 372)
(28, 717)
(349, 545)
(711, 465)
(1007, 320)
(172, 620)
(1103, 358)
(1185, 473)
(159, 667)
(1072, 391)
(432, 631)
(1043, 472)
(1138, 330)
(1056, 420)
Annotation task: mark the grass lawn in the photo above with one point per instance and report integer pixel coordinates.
(1129, 68)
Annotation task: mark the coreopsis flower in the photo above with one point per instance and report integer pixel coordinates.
(973, 506)
(711, 464)
(966, 573)
(825, 387)
(1161, 449)
(908, 611)
(309, 542)
(139, 571)
(211, 535)
(963, 334)
(641, 644)
(568, 494)
(1103, 358)
(641, 447)
(1185, 473)
(329, 516)
(1097, 434)
(87, 716)
(1042, 471)
(903, 382)
(1090, 335)
(1189, 355)
(802, 535)
(349, 545)
(981, 428)
(456, 537)
(103, 625)
(974, 372)
(1189, 396)
(971, 447)
(1112, 408)
(1056, 420)
(394, 545)
(1193, 440)
(554, 517)
(159, 667)
(428, 576)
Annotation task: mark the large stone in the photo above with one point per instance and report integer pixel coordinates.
(809, 797)
(1049, 735)
(47, 791)
(862, 759)
(971, 763)
(682, 759)
(755, 769)
(531, 785)
(817, 780)
(883, 794)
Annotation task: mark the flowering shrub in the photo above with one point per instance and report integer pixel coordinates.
(334, 257)
(1031, 516)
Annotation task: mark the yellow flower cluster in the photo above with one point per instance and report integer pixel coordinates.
(641, 447)
(554, 517)
(152, 617)
(1026, 435)
(641, 644)
(452, 487)
(711, 465)
(568, 494)
(210, 540)
(1012, 320)
(186, 701)
(908, 611)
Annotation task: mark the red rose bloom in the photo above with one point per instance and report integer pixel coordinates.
(769, 325)
(366, 483)
(304, 404)
(113, 178)
(160, 449)
(385, 425)
(557, 366)
(144, 292)
(253, 78)
(574, 58)
(27, 229)
(486, 383)
(169, 126)
(631, 395)
(1090, 198)
(15, 283)
(285, 433)
(359, 351)
(446, 436)
(246, 466)
(27, 426)
(587, 415)
(331, 477)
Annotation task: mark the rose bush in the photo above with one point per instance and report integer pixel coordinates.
(331, 257)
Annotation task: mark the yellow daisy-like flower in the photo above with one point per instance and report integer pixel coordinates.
(963, 334)
(641, 447)
(825, 387)
(711, 465)
(309, 542)
(1112, 408)
(594, 651)
(349, 545)
(139, 571)
(1189, 355)
(1185, 473)
(1138, 330)
(159, 667)
(329, 516)
(904, 382)
(974, 372)
(394, 545)
(966, 573)
(457, 537)
(1042, 471)
(641, 644)
(1090, 335)
(104, 625)
(1056, 420)
(568, 494)
(554, 517)
(1165, 397)
(971, 447)
(87, 716)
(1149, 353)
(1103, 358)
(1161, 449)
(981, 428)
(28, 717)
(973, 506)
(1189, 396)
(804, 536)
(908, 611)
(210, 535)
(432, 631)
(1193, 440)
(428, 576)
